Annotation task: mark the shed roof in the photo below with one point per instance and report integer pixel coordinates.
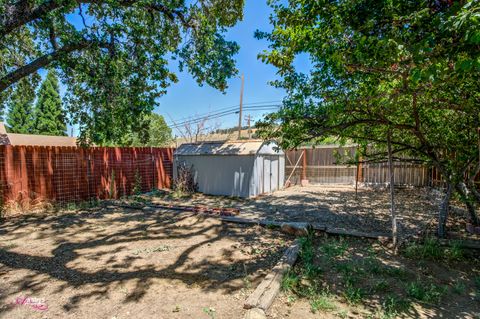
(251, 147)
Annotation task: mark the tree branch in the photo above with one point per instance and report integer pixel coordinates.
(22, 12)
(42, 62)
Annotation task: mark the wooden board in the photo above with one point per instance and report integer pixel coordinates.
(269, 288)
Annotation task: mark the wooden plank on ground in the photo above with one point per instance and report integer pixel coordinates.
(268, 289)
(470, 244)
(261, 222)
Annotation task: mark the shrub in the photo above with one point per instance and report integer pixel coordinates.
(137, 185)
(185, 181)
(112, 189)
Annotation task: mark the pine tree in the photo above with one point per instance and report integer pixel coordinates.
(49, 114)
(20, 105)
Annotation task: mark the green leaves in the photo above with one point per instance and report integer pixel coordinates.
(410, 67)
(113, 56)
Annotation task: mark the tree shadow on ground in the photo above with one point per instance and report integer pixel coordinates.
(335, 207)
(90, 254)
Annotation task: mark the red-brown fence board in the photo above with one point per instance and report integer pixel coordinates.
(69, 174)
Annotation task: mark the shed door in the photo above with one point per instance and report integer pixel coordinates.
(266, 174)
(273, 173)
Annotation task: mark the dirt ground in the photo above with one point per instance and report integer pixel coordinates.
(111, 262)
(337, 207)
(125, 263)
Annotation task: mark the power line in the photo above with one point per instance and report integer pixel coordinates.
(198, 120)
(228, 108)
(230, 111)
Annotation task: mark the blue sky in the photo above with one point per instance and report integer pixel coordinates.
(187, 99)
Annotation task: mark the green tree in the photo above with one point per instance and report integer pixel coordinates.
(160, 134)
(49, 114)
(115, 61)
(20, 116)
(153, 132)
(405, 68)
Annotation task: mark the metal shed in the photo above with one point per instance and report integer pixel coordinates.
(234, 168)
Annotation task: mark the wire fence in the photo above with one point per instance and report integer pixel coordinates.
(324, 165)
(34, 176)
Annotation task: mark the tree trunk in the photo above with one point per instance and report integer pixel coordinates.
(464, 193)
(443, 213)
(392, 192)
(474, 192)
(471, 180)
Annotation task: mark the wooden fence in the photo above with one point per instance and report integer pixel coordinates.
(71, 174)
(323, 165)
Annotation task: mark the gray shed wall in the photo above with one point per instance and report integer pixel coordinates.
(227, 175)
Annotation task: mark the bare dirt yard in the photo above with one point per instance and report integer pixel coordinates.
(126, 263)
(142, 261)
(336, 207)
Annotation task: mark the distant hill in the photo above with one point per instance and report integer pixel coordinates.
(218, 135)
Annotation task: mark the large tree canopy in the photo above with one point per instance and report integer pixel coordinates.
(114, 56)
(405, 68)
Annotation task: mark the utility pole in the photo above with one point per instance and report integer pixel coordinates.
(248, 118)
(240, 111)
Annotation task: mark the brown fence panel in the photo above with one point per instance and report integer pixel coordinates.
(323, 166)
(405, 174)
(326, 165)
(70, 174)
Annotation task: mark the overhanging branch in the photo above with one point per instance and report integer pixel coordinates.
(23, 12)
(42, 62)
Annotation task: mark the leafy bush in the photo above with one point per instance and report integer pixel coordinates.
(137, 184)
(184, 183)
